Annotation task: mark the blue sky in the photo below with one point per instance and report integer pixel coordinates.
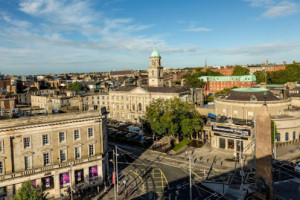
(39, 36)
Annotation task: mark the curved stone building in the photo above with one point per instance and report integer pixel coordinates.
(247, 103)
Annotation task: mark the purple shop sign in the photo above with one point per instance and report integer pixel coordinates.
(64, 179)
(93, 172)
(47, 182)
(79, 175)
(33, 182)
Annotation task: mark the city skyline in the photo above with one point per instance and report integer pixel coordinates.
(84, 36)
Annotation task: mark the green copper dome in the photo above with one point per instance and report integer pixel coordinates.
(155, 53)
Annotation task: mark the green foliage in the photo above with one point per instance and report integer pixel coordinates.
(274, 131)
(224, 91)
(76, 86)
(181, 144)
(173, 117)
(193, 79)
(29, 192)
(240, 71)
(290, 74)
(177, 82)
(210, 98)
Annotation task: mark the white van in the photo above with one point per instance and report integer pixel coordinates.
(134, 129)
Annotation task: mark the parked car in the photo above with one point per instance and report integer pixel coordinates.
(124, 123)
(297, 167)
(134, 129)
(111, 132)
(129, 135)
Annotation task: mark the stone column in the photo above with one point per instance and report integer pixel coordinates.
(264, 179)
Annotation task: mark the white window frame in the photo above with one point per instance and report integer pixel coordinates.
(93, 145)
(1, 146)
(2, 167)
(24, 142)
(79, 136)
(65, 139)
(49, 158)
(75, 153)
(48, 139)
(30, 162)
(66, 155)
(93, 133)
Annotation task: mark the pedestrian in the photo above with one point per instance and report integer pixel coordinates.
(98, 189)
(105, 189)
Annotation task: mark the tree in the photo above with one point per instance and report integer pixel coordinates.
(273, 131)
(240, 71)
(173, 117)
(193, 79)
(76, 86)
(29, 192)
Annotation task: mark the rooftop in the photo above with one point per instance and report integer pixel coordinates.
(250, 90)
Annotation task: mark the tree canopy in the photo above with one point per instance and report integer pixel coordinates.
(173, 117)
(76, 86)
(192, 79)
(29, 192)
(290, 74)
(240, 71)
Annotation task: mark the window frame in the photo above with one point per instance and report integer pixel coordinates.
(48, 139)
(49, 159)
(30, 163)
(29, 146)
(75, 157)
(93, 146)
(66, 155)
(2, 167)
(88, 133)
(1, 146)
(65, 139)
(79, 135)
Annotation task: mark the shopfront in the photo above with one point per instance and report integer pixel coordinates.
(47, 183)
(232, 137)
(93, 173)
(79, 178)
(64, 179)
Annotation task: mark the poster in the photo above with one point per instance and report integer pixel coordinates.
(79, 174)
(64, 179)
(33, 182)
(47, 182)
(93, 172)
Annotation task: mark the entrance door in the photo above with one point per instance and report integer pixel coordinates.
(222, 143)
(239, 145)
(230, 144)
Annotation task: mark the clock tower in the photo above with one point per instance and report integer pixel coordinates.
(155, 71)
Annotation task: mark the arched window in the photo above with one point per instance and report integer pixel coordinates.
(140, 107)
(152, 72)
(294, 135)
(153, 62)
(286, 136)
(278, 137)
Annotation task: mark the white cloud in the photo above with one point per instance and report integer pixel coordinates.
(196, 29)
(60, 11)
(275, 8)
(282, 9)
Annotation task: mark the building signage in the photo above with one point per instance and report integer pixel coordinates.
(33, 182)
(64, 179)
(93, 172)
(243, 132)
(47, 174)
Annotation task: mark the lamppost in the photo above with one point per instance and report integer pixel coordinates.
(114, 174)
(71, 185)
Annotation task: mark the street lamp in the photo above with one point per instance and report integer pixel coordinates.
(71, 185)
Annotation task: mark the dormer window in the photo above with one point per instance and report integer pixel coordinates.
(253, 98)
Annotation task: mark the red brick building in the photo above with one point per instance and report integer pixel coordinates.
(224, 70)
(217, 83)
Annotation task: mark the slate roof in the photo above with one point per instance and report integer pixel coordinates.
(245, 96)
(156, 89)
(119, 73)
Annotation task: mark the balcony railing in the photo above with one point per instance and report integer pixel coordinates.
(50, 167)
